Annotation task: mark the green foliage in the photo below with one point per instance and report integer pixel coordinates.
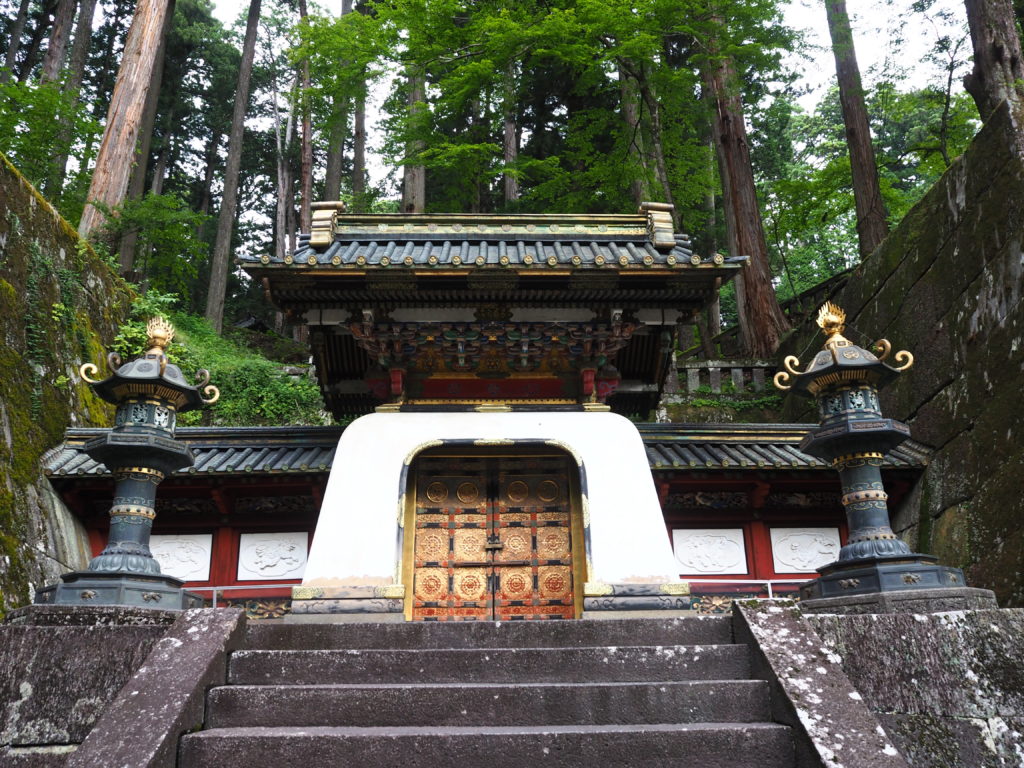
(32, 127)
(558, 72)
(168, 252)
(254, 390)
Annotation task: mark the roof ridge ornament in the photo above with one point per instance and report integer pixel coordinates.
(660, 227)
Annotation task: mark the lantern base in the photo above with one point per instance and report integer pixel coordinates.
(878, 575)
(117, 588)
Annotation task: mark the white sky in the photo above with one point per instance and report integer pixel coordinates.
(877, 26)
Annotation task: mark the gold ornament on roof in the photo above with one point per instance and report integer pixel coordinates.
(831, 319)
(160, 333)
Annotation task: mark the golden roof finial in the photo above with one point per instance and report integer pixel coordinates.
(831, 319)
(159, 333)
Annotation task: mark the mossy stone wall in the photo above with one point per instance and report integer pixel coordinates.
(60, 306)
(946, 285)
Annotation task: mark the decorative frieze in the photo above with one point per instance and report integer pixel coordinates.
(185, 556)
(272, 556)
(803, 550)
(710, 550)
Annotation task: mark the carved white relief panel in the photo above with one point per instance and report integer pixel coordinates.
(803, 550)
(710, 550)
(185, 556)
(270, 556)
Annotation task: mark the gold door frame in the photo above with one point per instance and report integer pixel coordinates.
(579, 512)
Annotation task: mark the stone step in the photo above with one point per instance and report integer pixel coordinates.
(700, 745)
(691, 630)
(491, 665)
(736, 701)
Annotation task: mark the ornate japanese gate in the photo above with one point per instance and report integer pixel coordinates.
(493, 538)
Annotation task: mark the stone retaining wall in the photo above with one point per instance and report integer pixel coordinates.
(60, 306)
(947, 286)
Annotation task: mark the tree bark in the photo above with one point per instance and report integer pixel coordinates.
(414, 184)
(17, 29)
(56, 48)
(137, 185)
(282, 140)
(38, 33)
(80, 47)
(510, 135)
(337, 129)
(72, 86)
(117, 149)
(306, 150)
(872, 220)
(998, 69)
(359, 154)
(713, 313)
(211, 165)
(656, 149)
(762, 323)
(631, 116)
(219, 260)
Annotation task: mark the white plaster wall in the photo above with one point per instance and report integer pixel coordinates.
(357, 533)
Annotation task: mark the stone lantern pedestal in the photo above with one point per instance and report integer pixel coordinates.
(876, 570)
(140, 451)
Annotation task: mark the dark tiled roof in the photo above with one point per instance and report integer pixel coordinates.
(748, 446)
(218, 451)
(310, 450)
(445, 241)
(479, 252)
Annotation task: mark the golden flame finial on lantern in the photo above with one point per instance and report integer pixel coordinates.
(831, 319)
(159, 333)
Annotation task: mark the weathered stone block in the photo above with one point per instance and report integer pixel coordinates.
(55, 681)
(166, 697)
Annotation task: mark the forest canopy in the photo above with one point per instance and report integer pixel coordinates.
(472, 105)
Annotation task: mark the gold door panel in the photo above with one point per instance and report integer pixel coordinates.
(492, 539)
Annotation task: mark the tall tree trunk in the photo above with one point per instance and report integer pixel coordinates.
(510, 135)
(629, 100)
(137, 185)
(414, 184)
(713, 313)
(80, 47)
(211, 165)
(72, 86)
(998, 67)
(38, 33)
(359, 154)
(14, 44)
(219, 259)
(872, 224)
(57, 47)
(306, 151)
(337, 128)
(657, 146)
(761, 320)
(108, 60)
(117, 149)
(282, 140)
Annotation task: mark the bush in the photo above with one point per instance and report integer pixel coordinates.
(254, 390)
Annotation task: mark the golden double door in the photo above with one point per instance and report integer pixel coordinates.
(493, 539)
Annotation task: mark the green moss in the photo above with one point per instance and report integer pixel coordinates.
(51, 325)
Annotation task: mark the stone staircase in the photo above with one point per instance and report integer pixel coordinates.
(629, 692)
